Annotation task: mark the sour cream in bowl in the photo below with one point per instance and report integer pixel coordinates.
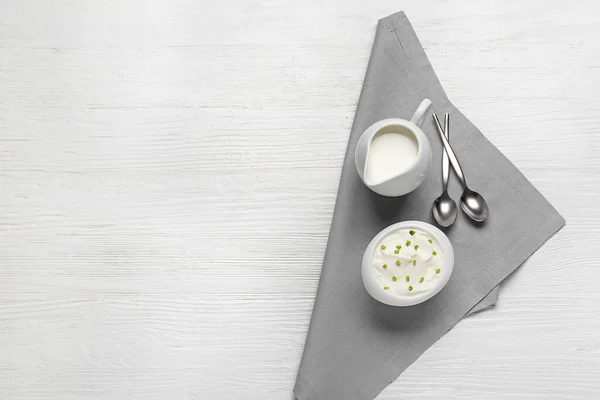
(407, 263)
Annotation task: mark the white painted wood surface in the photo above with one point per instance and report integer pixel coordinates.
(168, 172)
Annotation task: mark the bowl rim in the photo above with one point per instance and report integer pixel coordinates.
(377, 292)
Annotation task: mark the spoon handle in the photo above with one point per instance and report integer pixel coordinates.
(445, 162)
(448, 148)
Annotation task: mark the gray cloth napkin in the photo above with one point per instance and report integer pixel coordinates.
(356, 346)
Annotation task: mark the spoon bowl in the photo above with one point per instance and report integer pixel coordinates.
(474, 205)
(445, 210)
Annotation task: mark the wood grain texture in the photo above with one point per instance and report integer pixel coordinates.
(168, 172)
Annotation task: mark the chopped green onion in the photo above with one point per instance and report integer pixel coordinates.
(422, 279)
(383, 247)
(414, 262)
(396, 251)
(412, 233)
(384, 266)
(386, 288)
(437, 271)
(416, 247)
(434, 253)
(398, 262)
(407, 278)
(410, 288)
(408, 242)
(394, 278)
(430, 241)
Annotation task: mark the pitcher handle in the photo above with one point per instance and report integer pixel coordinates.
(419, 115)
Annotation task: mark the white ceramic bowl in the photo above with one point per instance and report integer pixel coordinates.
(373, 286)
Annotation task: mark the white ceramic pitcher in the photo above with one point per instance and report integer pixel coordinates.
(409, 179)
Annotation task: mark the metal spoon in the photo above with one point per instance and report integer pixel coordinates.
(472, 203)
(444, 207)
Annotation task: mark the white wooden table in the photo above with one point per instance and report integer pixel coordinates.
(168, 172)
